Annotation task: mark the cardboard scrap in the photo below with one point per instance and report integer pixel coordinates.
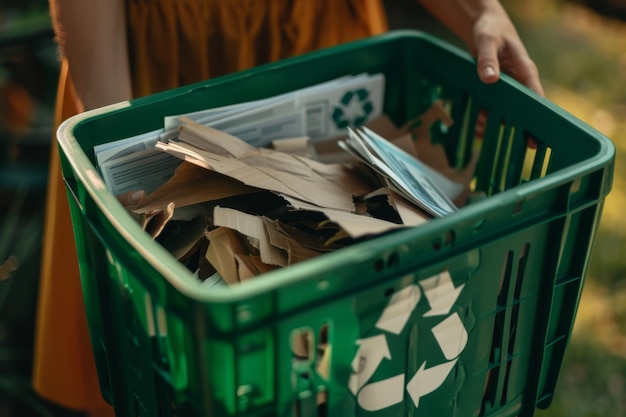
(323, 361)
(246, 269)
(191, 185)
(261, 168)
(155, 224)
(312, 238)
(293, 241)
(302, 344)
(409, 213)
(213, 140)
(228, 253)
(252, 226)
(355, 225)
(298, 253)
(295, 146)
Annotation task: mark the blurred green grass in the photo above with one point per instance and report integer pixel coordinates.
(581, 57)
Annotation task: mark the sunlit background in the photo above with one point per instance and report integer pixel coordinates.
(580, 48)
(581, 54)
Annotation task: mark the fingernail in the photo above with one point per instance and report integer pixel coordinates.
(136, 196)
(489, 72)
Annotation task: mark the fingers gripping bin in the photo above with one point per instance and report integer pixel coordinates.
(468, 315)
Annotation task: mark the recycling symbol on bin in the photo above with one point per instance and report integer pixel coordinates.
(354, 110)
(449, 333)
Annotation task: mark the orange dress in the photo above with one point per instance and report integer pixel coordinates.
(171, 43)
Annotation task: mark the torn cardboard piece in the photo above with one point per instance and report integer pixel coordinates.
(298, 253)
(312, 238)
(191, 185)
(279, 244)
(409, 213)
(296, 243)
(252, 226)
(156, 223)
(229, 254)
(355, 225)
(296, 146)
(212, 140)
(266, 169)
(246, 269)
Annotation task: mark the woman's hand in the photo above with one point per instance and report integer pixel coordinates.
(490, 36)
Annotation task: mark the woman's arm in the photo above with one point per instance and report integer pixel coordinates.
(92, 37)
(491, 37)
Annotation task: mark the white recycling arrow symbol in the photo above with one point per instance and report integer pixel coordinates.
(371, 353)
(426, 380)
(399, 309)
(382, 394)
(452, 338)
(441, 294)
(450, 335)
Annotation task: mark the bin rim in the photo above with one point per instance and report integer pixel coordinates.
(182, 279)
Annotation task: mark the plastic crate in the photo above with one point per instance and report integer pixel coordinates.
(485, 298)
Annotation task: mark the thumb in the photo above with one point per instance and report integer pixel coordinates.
(130, 198)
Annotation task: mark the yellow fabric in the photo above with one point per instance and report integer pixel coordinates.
(171, 43)
(64, 369)
(192, 40)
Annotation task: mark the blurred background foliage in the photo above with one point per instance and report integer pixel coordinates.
(28, 75)
(580, 49)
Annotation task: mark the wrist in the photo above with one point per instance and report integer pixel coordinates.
(461, 16)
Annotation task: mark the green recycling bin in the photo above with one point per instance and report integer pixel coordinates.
(467, 315)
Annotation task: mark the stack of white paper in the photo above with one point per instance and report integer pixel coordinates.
(416, 181)
(318, 112)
